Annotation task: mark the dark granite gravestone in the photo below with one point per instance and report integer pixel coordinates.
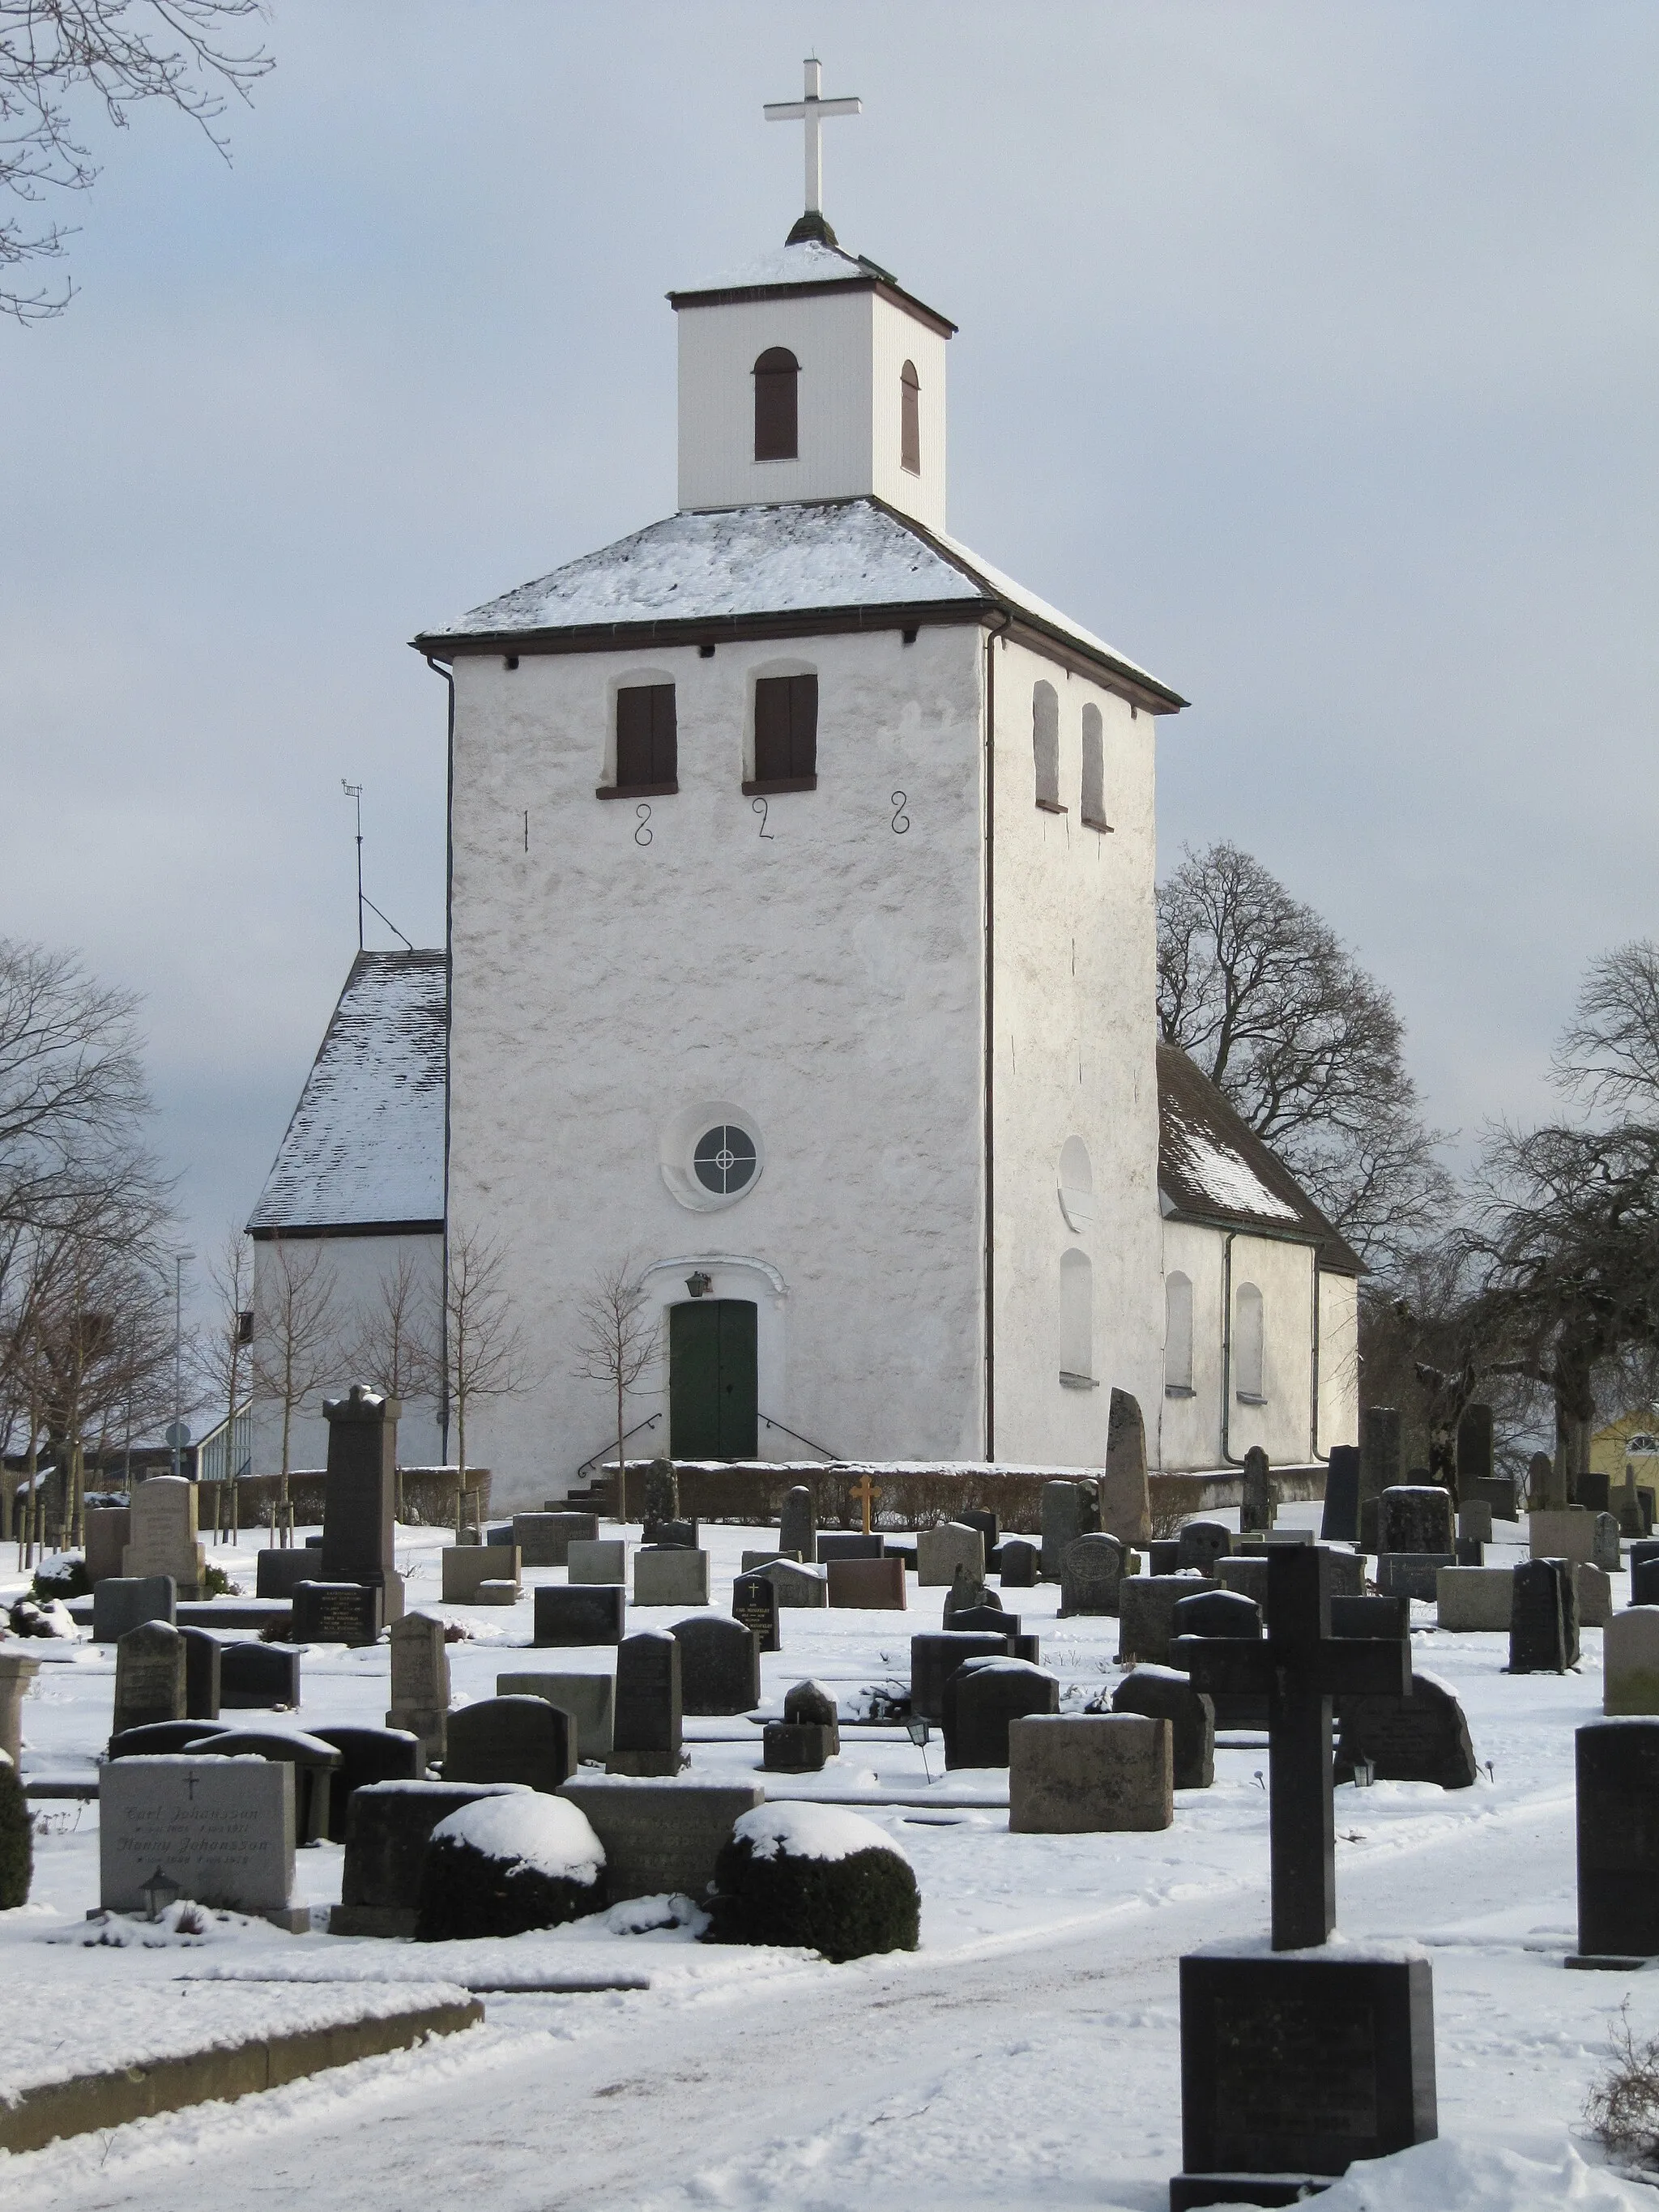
(544, 1539)
(974, 1517)
(1092, 1572)
(1415, 1518)
(579, 1613)
(755, 1603)
(646, 1733)
(1474, 1448)
(967, 1597)
(1412, 1574)
(1340, 1522)
(1018, 1563)
(720, 1665)
(981, 1697)
(810, 1704)
(360, 1497)
(798, 1526)
(388, 1826)
(1541, 1608)
(368, 1754)
(1069, 1510)
(510, 1739)
(1421, 1737)
(201, 1674)
(161, 1740)
(1224, 1612)
(1256, 1498)
(1379, 1466)
(1163, 1555)
(123, 1601)
(1499, 1492)
(314, 1763)
(671, 1536)
(149, 1676)
(252, 1675)
(1164, 1693)
(988, 1620)
(1471, 1552)
(936, 1656)
(336, 1613)
(1618, 1778)
(1593, 1490)
(1200, 1544)
(276, 1572)
(1249, 1576)
(835, 1545)
(1644, 1578)
(1372, 1618)
(808, 1735)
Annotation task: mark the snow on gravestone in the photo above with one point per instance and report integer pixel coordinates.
(221, 1830)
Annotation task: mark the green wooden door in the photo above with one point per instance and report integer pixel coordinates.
(711, 1379)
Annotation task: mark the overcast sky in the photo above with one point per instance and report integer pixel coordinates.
(1306, 353)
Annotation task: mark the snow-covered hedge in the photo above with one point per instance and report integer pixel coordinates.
(818, 1876)
(501, 1865)
(16, 1839)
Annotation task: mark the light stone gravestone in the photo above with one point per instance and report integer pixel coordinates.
(126, 1601)
(1594, 1588)
(1604, 1552)
(669, 1574)
(798, 1526)
(602, 1561)
(1090, 1773)
(589, 1700)
(220, 1830)
(109, 1528)
(944, 1551)
(1124, 1501)
(420, 1681)
(796, 1585)
(1568, 1535)
(467, 1567)
(17, 1673)
(1092, 1574)
(149, 1676)
(1473, 1599)
(1630, 1662)
(161, 1533)
(1146, 1603)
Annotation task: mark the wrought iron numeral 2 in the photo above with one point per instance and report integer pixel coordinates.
(642, 834)
(900, 821)
(759, 807)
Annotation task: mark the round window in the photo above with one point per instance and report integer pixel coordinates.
(724, 1161)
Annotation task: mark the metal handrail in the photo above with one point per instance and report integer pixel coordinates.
(799, 1439)
(597, 1459)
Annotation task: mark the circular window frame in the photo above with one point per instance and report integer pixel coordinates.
(677, 1154)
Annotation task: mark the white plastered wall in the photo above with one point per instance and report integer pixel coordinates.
(851, 346)
(823, 976)
(1075, 1056)
(356, 1268)
(1339, 1362)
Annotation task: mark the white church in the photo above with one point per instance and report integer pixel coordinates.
(801, 960)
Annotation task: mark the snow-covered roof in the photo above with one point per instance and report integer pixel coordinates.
(366, 1146)
(806, 557)
(806, 261)
(1211, 1166)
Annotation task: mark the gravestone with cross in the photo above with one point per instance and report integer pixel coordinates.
(1299, 2064)
(864, 1494)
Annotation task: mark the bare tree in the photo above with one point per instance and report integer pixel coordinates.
(225, 1352)
(123, 53)
(294, 1325)
(1608, 1054)
(483, 1353)
(618, 1340)
(396, 1346)
(1262, 992)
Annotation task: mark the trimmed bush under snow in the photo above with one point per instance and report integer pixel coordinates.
(16, 1838)
(817, 1876)
(503, 1865)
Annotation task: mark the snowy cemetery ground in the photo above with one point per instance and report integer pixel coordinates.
(1026, 2055)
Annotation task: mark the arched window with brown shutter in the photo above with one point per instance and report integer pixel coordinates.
(777, 435)
(910, 419)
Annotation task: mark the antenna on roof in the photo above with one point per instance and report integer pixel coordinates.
(353, 792)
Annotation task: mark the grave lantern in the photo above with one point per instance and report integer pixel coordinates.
(160, 1892)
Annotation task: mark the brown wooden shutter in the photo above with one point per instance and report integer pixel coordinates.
(646, 746)
(776, 414)
(665, 735)
(786, 729)
(803, 725)
(909, 419)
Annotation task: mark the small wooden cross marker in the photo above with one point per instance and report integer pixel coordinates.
(865, 1491)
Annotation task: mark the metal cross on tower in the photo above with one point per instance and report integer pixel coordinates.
(811, 110)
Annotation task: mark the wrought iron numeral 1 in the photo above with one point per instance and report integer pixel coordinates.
(900, 821)
(642, 834)
(759, 807)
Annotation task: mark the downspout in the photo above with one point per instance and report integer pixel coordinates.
(1313, 1416)
(448, 676)
(1227, 1459)
(991, 637)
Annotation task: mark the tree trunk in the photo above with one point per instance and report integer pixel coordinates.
(621, 1464)
(1575, 1418)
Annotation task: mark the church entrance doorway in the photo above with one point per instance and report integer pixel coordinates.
(712, 1396)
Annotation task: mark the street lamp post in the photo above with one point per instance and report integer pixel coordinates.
(176, 1433)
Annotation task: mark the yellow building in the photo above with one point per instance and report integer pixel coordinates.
(1631, 1435)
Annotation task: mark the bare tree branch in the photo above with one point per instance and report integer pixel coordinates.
(294, 1334)
(1608, 1054)
(618, 1341)
(484, 1353)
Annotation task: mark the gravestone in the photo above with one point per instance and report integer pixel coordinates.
(1092, 1575)
(258, 1676)
(108, 1528)
(798, 1526)
(1569, 1534)
(1543, 1620)
(544, 1539)
(579, 1614)
(1200, 1544)
(1247, 1576)
(17, 1673)
(1090, 1774)
(161, 1533)
(974, 1517)
(1471, 1552)
(671, 1536)
(982, 1698)
(511, 1740)
(1379, 1466)
(221, 1831)
(669, 1574)
(1412, 1518)
(989, 1617)
(1604, 1544)
(1338, 1524)
(1125, 1510)
(808, 1735)
(589, 1700)
(276, 1572)
(754, 1561)
(314, 1763)
(166, 1740)
(1472, 1599)
(1475, 1522)
(603, 1561)
(467, 1567)
(1420, 1737)
(935, 1656)
(1624, 1501)
(125, 1601)
(1068, 1510)
(943, 1552)
(1164, 1693)
(1630, 1662)
(336, 1613)
(202, 1664)
(149, 1676)
(1163, 1555)
(968, 1594)
(1256, 1507)
(1593, 1490)
(755, 1603)
(1146, 1603)
(1546, 1490)
(1644, 1577)
(663, 1839)
(1412, 1574)
(359, 1496)
(841, 1544)
(719, 1665)
(1475, 1447)
(420, 1682)
(1617, 1764)
(867, 1585)
(1223, 1613)
(1500, 1493)
(1018, 1562)
(366, 1755)
(796, 1585)
(1594, 1588)
(388, 1826)
(645, 1733)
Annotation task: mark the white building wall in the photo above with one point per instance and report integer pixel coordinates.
(1339, 1362)
(851, 347)
(355, 1267)
(1075, 950)
(815, 963)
